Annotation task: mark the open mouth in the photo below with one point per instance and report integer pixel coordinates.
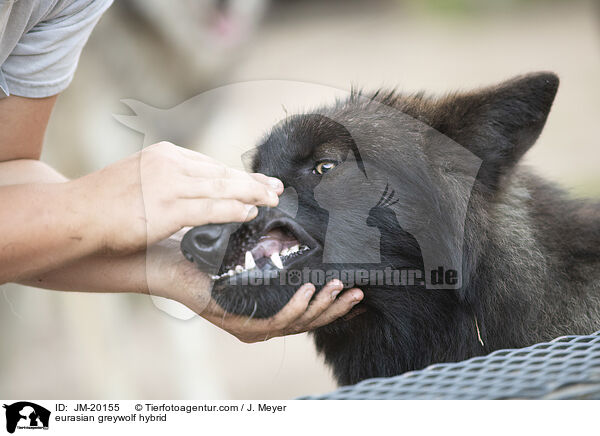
(278, 247)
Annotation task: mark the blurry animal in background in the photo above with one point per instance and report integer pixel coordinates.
(167, 53)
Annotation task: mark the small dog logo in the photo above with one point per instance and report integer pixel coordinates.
(26, 415)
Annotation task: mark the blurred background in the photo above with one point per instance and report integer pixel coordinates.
(58, 345)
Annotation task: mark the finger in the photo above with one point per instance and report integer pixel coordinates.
(322, 301)
(273, 182)
(295, 308)
(210, 168)
(197, 212)
(340, 307)
(249, 192)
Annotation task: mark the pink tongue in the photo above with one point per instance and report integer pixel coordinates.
(273, 242)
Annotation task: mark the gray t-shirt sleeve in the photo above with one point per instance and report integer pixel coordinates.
(44, 60)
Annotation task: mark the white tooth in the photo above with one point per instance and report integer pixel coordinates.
(249, 261)
(276, 260)
(215, 277)
(294, 249)
(239, 268)
(284, 252)
(231, 273)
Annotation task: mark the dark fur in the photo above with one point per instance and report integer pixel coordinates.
(531, 255)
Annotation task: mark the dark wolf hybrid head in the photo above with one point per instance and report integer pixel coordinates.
(391, 193)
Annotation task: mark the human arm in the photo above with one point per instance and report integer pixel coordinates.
(173, 277)
(119, 209)
(163, 271)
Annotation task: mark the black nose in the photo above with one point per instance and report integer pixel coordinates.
(206, 245)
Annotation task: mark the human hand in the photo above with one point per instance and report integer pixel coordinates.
(152, 194)
(300, 314)
(176, 278)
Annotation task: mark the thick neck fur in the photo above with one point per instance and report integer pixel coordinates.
(543, 263)
(535, 262)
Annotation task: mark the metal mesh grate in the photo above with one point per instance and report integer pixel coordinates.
(567, 367)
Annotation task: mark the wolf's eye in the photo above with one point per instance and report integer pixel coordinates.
(323, 167)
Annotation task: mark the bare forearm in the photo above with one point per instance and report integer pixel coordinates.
(92, 273)
(22, 171)
(160, 270)
(96, 274)
(44, 225)
(35, 191)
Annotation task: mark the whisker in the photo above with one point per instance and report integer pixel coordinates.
(223, 318)
(253, 312)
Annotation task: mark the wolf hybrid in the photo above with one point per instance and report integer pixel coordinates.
(433, 178)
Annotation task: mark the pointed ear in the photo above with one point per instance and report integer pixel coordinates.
(499, 124)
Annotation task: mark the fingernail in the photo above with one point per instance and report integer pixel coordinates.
(276, 184)
(357, 297)
(334, 294)
(308, 293)
(251, 210)
(273, 196)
